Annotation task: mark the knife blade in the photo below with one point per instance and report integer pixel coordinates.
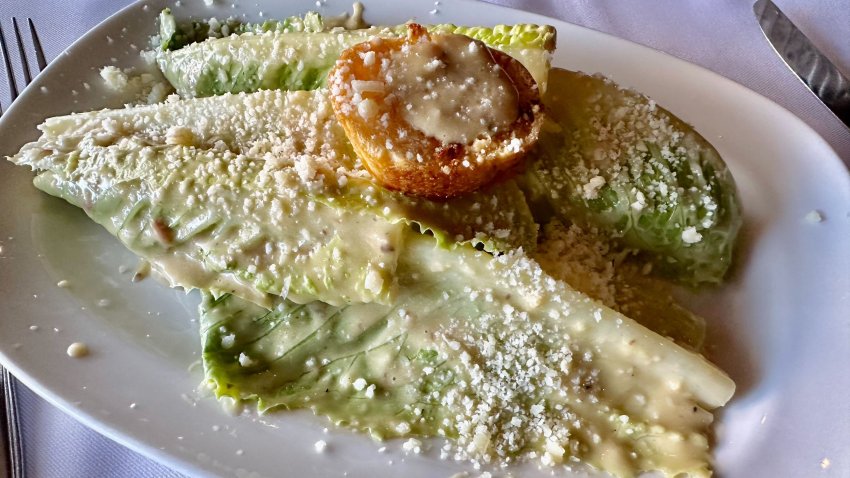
(814, 69)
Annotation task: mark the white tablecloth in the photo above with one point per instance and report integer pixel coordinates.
(721, 35)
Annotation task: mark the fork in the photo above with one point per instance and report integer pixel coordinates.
(14, 452)
(25, 67)
(11, 432)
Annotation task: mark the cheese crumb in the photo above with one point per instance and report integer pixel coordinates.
(640, 202)
(412, 445)
(374, 282)
(591, 189)
(245, 360)
(814, 216)
(359, 384)
(180, 136)
(114, 78)
(367, 108)
(691, 236)
(228, 340)
(403, 428)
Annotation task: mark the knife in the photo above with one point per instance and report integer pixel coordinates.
(814, 69)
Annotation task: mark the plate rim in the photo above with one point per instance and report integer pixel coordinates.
(177, 461)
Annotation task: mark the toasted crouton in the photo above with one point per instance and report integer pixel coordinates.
(369, 104)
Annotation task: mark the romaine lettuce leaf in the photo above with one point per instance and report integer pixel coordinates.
(294, 132)
(491, 353)
(613, 159)
(300, 60)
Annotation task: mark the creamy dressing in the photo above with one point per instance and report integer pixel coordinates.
(78, 350)
(354, 21)
(450, 88)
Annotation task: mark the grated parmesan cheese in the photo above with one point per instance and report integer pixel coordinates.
(591, 188)
(114, 78)
(691, 236)
(814, 216)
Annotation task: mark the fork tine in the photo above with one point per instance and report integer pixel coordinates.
(10, 74)
(25, 64)
(36, 43)
(5, 457)
(13, 425)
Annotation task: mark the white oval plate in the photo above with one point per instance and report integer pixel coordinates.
(781, 328)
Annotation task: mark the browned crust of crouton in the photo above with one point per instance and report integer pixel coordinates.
(403, 158)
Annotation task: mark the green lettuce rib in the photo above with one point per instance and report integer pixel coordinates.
(489, 352)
